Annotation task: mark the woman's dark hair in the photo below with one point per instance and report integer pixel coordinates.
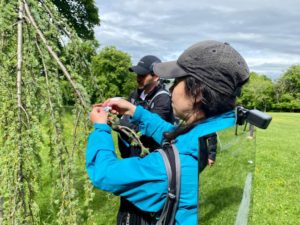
(206, 99)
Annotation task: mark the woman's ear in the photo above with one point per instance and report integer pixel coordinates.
(199, 99)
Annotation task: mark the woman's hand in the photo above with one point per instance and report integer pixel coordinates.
(98, 114)
(120, 106)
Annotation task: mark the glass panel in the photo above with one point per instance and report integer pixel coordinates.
(225, 187)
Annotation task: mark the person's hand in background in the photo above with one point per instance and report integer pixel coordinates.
(210, 162)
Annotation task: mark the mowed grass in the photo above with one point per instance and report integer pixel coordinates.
(104, 205)
(276, 181)
(221, 186)
(276, 193)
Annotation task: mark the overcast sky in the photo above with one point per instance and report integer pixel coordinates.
(265, 32)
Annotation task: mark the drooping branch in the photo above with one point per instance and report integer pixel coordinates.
(21, 191)
(75, 133)
(19, 54)
(23, 89)
(2, 41)
(67, 33)
(54, 55)
(58, 131)
(47, 83)
(131, 134)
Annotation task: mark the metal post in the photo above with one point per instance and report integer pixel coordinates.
(1, 209)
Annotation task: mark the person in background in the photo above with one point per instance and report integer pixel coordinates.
(151, 95)
(212, 142)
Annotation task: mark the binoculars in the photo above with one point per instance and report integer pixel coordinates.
(253, 116)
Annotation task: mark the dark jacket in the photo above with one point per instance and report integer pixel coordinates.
(157, 101)
(212, 142)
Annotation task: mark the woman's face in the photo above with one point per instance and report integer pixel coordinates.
(181, 103)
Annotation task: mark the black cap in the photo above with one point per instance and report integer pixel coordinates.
(216, 64)
(145, 65)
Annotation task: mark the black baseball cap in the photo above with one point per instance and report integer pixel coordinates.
(145, 65)
(214, 63)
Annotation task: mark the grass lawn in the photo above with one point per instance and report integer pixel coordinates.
(276, 181)
(221, 186)
(276, 193)
(104, 205)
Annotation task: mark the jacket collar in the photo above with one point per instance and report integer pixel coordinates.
(153, 92)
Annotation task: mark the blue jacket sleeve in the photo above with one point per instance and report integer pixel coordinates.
(151, 124)
(143, 181)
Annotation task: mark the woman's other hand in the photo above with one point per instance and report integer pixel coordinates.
(98, 114)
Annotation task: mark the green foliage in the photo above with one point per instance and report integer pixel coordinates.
(282, 95)
(110, 67)
(288, 90)
(78, 55)
(258, 93)
(23, 143)
(20, 140)
(42, 176)
(82, 15)
(291, 80)
(288, 106)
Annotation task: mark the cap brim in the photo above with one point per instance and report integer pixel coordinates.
(139, 70)
(169, 70)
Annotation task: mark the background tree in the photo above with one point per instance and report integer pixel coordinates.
(258, 93)
(291, 80)
(110, 67)
(287, 90)
(81, 14)
(78, 56)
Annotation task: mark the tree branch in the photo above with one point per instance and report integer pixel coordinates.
(47, 81)
(19, 100)
(54, 21)
(54, 55)
(75, 133)
(133, 136)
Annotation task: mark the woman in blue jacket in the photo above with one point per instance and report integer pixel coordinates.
(208, 77)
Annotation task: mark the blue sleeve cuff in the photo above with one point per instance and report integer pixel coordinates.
(99, 140)
(102, 127)
(137, 115)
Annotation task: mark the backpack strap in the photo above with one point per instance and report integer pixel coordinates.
(157, 94)
(171, 159)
